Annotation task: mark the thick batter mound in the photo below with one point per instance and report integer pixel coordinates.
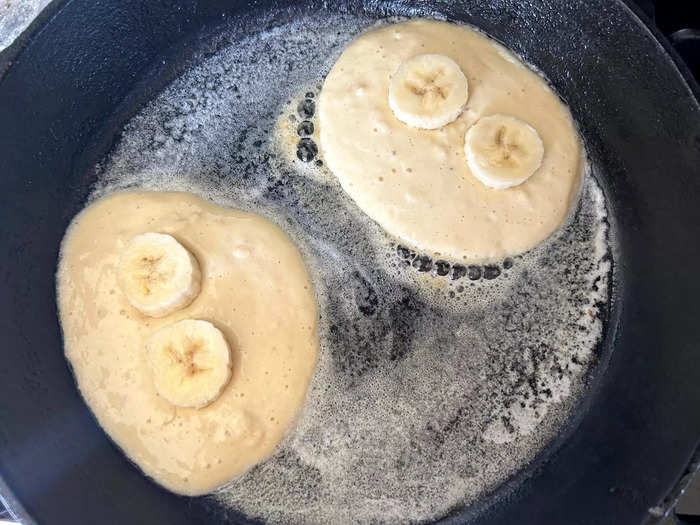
(255, 289)
(416, 183)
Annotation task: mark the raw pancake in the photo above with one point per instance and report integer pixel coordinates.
(416, 183)
(255, 289)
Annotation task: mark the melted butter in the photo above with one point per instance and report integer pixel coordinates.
(255, 288)
(416, 183)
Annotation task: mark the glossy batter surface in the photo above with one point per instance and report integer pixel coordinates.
(416, 183)
(255, 288)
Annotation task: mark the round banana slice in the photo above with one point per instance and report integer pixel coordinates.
(503, 151)
(428, 91)
(190, 362)
(158, 274)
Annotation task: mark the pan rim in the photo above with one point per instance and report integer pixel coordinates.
(684, 73)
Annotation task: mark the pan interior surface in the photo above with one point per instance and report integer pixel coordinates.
(429, 392)
(98, 66)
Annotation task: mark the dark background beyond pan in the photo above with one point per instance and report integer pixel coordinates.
(65, 94)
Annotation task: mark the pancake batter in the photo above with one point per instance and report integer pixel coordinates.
(416, 183)
(254, 288)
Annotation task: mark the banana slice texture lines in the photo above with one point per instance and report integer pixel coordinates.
(158, 274)
(503, 151)
(428, 91)
(190, 362)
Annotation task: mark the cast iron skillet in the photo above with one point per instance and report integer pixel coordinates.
(89, 65)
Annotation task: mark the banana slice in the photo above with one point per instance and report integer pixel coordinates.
(428, 91)
(158, 274)
(503, 151)
(190, 362)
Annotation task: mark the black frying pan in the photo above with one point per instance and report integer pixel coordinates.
(88, 66)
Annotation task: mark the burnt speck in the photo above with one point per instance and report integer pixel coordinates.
(458, 271)
(404, 252)
(319, 162)
(306, 108)
(422, 263)
(491, 271)
(508, 424)
(507, 263)
(474, 272)
(365, 296)
(306, 150)
(305, 128)
(309, 94)
(442, 268)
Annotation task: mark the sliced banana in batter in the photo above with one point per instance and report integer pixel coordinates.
(158, 274)
(428, 91)
(503, 151)
(190, 362)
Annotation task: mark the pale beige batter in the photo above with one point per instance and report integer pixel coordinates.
(416, 182)
(255, 289)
